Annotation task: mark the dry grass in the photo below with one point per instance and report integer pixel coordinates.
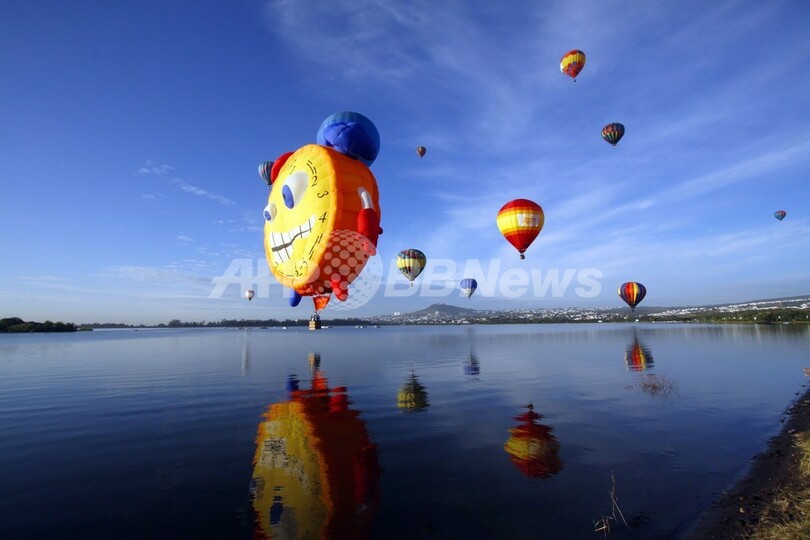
(788, 514)
(605, 523)
(657, 385)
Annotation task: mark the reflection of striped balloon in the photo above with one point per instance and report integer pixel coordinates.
(411, 262)
(613, 133)
(632, 293)
(572, 63)
(637, 357)
(520, 221)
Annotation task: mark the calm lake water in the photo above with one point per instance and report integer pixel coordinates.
(393, 432)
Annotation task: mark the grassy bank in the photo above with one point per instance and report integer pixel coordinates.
(787, 515)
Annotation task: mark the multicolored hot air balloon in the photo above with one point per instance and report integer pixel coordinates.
(780, 214)
(468, 286)
(265, 169)
(532, 447)
(613, 133)
(520, 221)
(411, 262)
(249, 294)
(315, 471)
(322, 218)
(632, 293)
(572, 63)
(421, 150)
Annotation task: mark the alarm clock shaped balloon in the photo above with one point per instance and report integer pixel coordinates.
(322, 218)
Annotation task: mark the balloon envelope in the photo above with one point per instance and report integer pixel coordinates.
(572, 63)
(265, 168)
(249, 294)
(468, 286)
(780, 214)
(613, 133)
(421, 150)
(520, 221)
(411, 262)
(632, 293)
(352, 134)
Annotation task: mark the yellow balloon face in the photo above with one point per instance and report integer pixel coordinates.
(317, 193)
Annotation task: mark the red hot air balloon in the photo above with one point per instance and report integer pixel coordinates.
(572, 63)
(520, 221)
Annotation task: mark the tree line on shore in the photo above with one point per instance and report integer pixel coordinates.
(17, 325)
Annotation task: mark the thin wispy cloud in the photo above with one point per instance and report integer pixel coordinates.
(200, 192)
(153, 169)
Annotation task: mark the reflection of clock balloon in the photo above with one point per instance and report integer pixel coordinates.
(322, 217)
(315, 470)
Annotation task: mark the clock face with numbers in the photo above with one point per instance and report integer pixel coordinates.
(312, 207)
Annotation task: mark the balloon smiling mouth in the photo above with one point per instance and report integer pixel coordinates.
(281, 242)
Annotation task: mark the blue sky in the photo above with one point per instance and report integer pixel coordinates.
(130, 133)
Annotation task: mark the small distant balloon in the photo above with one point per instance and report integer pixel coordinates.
(780, 214)
(572, 63)
(411, 262)
(632, 293)
(468, 286)
(613, 133)
(520, 221)
(249, 294)
(264, 171)
(421, 150)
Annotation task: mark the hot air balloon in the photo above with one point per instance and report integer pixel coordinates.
(532, 447)
(632, 293)
(411, 262)
(613, 133)
(249, 294)
(520, 221)
(322, 218)
(421, 151)
(468, 286)
(315, 470)
(780, 214)
(265, 169)
(572, 63)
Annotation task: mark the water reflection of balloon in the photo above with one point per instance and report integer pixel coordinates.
(411, 262)
(632, 293)
(520, 221)
(637, 357)
(315, 470)
(468, 286)
(572, 63)
(532, 447)
(780, 214)
(412, 395)
(472, 366)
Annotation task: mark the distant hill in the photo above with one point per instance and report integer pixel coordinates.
(445, 310)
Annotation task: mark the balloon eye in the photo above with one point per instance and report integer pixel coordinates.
(295, 186)
(270, 212)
